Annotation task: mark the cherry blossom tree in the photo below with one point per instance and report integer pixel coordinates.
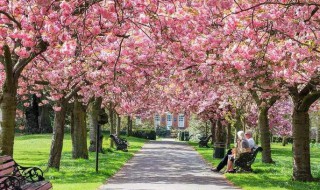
(284, 37)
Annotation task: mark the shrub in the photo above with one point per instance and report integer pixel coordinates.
(145, 134)
(162, 131)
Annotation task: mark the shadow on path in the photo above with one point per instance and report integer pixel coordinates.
(167, 165)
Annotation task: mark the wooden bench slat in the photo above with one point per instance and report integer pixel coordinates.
(6, 171)
(41, 185)
(7, 165)
(2, 179)
(46, 186)
(5, 158)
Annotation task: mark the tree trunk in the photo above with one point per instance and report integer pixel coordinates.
(318, 134)
(229, 136)
(8, 101)
(129, 127)
(256, 136)
(284, 141)
(118, 125)
(58, 135)
(32, 115)
(213, 131)
(94, 109)
(79, 131)
(45, 119)
(238, 124)
(220, 133)
(112, 125)
(8, 108)
(301, 149)
(263, 123)
(206, 128)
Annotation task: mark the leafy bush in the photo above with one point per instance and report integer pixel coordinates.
(145, 134)
(278, 139)
(315, 145)
(162, 131)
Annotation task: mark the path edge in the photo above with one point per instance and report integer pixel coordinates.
(124, 166)
(210, 164)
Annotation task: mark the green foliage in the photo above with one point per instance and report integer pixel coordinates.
(145, 134)
(315, 145)
(145, 124)
(198, 128)
(276, 176)
(33, 150)
(278, 139)
(162, 131)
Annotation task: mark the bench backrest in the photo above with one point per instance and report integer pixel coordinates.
(208, 138)
(255, 151)
(249, 157)
(7, 165)
(116, 139)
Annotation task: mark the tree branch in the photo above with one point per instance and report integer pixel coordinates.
(85, 6)
(12, 19)
(308, 100)
(312, 13)
(72, 93)
(255, 97)
(22, 63)
(115, 65)
(311, 85)
(272, 101)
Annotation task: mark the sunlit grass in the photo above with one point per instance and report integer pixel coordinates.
(33, 150)
(276, 176)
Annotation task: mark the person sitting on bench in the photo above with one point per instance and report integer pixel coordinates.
(224, 161)
(242, 147)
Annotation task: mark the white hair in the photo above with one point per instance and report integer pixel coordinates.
(240, 135)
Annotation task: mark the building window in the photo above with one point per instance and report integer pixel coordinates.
(181, 121)
(157, 120)
(169, 119)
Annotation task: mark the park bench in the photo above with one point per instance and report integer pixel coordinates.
(16, 177)
(244, 162)
(121, 144)
(204, 142)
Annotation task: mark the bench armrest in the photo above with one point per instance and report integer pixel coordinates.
(31, 174)
(9, 182)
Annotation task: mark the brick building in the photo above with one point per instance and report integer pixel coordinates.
(171, 121)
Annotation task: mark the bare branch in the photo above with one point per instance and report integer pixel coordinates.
(22, 63)
(255, 97)
(312, 14)
(85, 6)
(308, 100)
(12, 19)
(115, 65)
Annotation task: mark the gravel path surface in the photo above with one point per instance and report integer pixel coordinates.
(167, 165)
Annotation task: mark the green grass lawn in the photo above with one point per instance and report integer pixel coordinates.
(33, 150)
(270, 176)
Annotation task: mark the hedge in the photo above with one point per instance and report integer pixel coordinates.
(145, 134)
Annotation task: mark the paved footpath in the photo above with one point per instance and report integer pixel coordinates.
(167, 165)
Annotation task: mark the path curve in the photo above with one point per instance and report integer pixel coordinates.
(167, 165)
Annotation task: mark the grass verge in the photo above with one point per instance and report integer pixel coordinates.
(276, 176)
(33, 150)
